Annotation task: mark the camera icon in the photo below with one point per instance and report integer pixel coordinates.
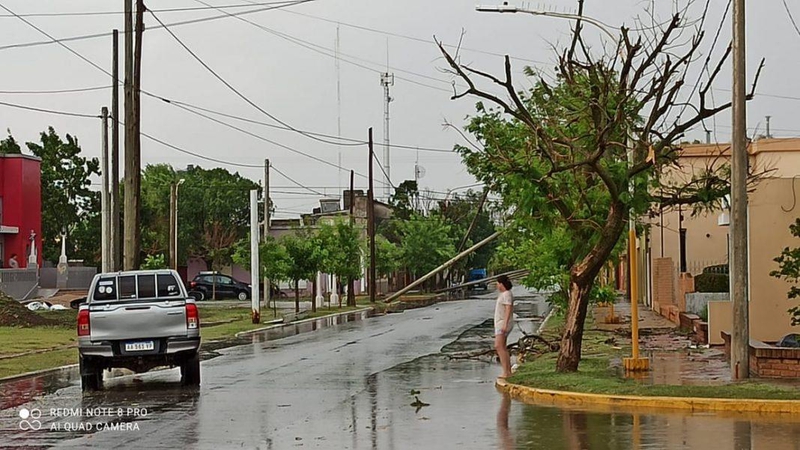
(30, 419)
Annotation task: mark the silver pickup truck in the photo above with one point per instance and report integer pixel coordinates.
(138, 320)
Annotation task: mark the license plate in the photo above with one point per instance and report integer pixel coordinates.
(139, 346)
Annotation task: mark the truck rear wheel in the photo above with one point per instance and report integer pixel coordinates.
(91, 375)
(190, 371)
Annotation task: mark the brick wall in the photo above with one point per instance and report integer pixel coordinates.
(663, 281)
(767, 361)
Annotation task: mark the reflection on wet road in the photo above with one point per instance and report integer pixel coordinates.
(380, 383)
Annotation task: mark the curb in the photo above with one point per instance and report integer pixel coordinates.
(271, 327)
(693, 404)
(37, 373)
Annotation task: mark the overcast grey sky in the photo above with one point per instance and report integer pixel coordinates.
(286, 78)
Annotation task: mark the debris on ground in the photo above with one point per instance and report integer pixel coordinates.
(15, 314)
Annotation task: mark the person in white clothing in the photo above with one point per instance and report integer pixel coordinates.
(503, 323)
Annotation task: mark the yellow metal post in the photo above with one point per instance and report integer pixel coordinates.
(634, 363)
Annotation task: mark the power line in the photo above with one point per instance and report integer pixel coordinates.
(58, 91)
(51, 111)
(332, 54)
(354, 142)
(380, 166)
(233, 89)
(166, 10)
(791, 17)
(294, 181)
(175, 24)
(407, 37)
(262, 138)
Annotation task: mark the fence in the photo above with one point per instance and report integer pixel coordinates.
(19, 284)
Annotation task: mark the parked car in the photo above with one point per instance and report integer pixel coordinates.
(205, 284)
(475, 275)
(138, 320)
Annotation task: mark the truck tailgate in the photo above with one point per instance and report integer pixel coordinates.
(133, 320)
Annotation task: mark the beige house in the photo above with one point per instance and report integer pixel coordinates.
(773, 206)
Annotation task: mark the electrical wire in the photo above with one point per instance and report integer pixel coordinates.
(380, 166)
(332, 54)
(57, 91)
(355, 142)
(236, 91)
(174, 24)
(791, 17)
(50, 111)
(295, 181)
(166, 10)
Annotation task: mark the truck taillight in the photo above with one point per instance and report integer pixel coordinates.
(192, 317)
(84, 329)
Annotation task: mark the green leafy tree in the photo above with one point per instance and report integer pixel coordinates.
(460, 211)
(213, 212)
(9, 146)
(342, 244)
(306, 257)
(425, 243)
(789, 270)
(67, 199)
(405, 199)
(387, 257)
(557, 153)
(274, 262)
(154, 262)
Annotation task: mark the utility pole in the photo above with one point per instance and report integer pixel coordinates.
(133, 71)
(267, 285)
(387, 79)
(740, 336)
(114, 228)
(173, 226)
(254, 265)
(371, 225)
(351, 283)
(105, 221)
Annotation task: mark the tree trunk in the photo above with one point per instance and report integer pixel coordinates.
(351, 292)
(569, 355)
(297, 296)
(581, 279)
(313, 297)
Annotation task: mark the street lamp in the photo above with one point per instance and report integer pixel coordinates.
(177, 185)
(506, 8)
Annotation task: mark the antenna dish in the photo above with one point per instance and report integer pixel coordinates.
(420, 171)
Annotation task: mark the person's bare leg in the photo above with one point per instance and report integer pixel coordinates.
(502, 352)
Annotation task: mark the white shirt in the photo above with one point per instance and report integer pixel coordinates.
(505, 298)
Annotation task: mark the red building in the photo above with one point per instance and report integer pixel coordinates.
(20, 208)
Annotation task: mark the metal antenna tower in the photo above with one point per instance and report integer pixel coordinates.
(387, 80)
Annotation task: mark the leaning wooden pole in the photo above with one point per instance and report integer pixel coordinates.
(449, 263)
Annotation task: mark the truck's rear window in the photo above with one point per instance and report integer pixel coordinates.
(131, 287)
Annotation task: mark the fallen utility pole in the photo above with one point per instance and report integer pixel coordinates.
(449, 263)
(514, 274)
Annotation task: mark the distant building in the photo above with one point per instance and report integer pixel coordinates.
(20, 208)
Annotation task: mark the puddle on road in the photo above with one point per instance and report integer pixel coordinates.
(21, 391)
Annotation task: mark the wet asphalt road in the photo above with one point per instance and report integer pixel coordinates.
(348, 386)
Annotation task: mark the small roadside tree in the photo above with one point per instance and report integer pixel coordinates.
(342, 244)
(306, 257)
(575, 156)
(789, 270)
(425, 243)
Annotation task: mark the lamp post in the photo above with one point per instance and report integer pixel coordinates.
(635, 363)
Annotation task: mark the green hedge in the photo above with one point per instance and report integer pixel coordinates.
(712, 282)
